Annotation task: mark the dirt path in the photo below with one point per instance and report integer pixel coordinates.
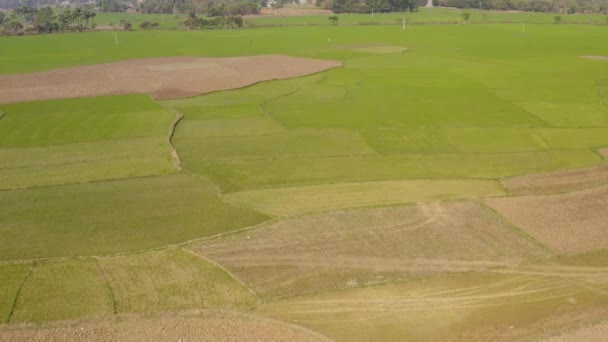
(164, 78)
(599, 58)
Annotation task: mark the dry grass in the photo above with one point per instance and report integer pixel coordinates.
(567, 223)
(348, 248)
(470, 307)
(62, 290)
(171, 280)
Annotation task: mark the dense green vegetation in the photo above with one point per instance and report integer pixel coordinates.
(27, 19)
(555, 6)
(410, 118)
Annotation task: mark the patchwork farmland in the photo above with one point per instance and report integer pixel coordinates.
(307, 182)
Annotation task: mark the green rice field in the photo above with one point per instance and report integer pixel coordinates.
(350, 202)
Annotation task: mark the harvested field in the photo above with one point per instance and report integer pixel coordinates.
(164, 78)
(468, 307)
(568, 223)
(191, 326)
(347, 248)
(560, 181)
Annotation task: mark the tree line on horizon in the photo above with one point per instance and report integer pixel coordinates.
(27, 19)
(548, 6)
(243, 7)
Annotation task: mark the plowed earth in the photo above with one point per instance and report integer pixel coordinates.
(164, 78)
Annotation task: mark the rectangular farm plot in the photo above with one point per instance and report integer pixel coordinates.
(569, 114)
(113, 216)
(11, 279)
(575, 137)
(254, 174)
(567, 223)
(202, 112)
(215, 128)
(171, 280)
(290, 144)
(454, 140)
(343, 249)
(63, 290)
(84, 162)
(53, 122)
(364, 107)
(289, 201)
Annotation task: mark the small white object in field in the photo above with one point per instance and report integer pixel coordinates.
(247, 236)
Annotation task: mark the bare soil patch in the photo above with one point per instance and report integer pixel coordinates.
(357, 247)
(289, 12)
(205, 326)
(560, 181)
(599, 58)
(164, 78)
(604, 152)
(568, 223)
(381, 49)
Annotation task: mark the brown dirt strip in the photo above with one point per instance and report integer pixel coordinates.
(560, 181)
(599, 58)
(205, 326)
(572, 324)
(164, 78)
(289, 12)
(604, 152)
(567, 223)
